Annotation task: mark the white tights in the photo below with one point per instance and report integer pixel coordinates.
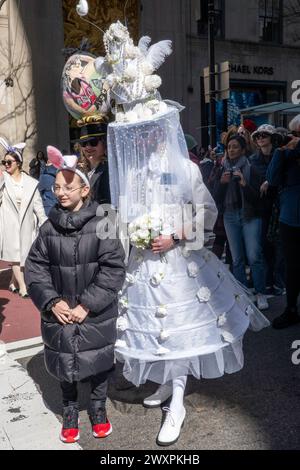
(179, 385)
(18, 275)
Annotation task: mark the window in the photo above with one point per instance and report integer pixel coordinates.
(270, 19)
(202, 21)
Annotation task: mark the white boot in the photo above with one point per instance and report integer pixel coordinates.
(170, 430)
(163, 392)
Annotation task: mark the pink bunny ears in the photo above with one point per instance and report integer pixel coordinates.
(65, 162)
(16, 148)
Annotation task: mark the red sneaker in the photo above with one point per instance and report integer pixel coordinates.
(70, 431)
(101, 426)
(102, 430)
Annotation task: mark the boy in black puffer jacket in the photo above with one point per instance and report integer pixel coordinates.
(73, 278)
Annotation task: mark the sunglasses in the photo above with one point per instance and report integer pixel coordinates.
(91, 142)
(8, 162)
(263, 135)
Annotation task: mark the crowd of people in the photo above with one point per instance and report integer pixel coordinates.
(254, 176)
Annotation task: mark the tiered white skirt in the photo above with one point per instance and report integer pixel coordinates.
(182, 314)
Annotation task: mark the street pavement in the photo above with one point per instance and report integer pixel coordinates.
(257, 408)
(19, 319)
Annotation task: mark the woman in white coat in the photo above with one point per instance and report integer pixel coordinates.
(21, 213)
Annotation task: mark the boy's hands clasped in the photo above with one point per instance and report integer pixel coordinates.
(65, 315)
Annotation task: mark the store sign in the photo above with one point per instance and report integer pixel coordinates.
(296, 93)
(251, 70)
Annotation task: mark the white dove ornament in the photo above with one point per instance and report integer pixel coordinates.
(82, 8)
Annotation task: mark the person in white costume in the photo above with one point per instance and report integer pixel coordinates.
(180, 311)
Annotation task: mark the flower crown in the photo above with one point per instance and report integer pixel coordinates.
(131, 80)
(128, 71)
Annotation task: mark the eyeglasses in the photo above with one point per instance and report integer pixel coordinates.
(91, 142)
(66, 191)
(263, 135)
(8, 162)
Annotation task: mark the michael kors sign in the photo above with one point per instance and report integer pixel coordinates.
(251, 70)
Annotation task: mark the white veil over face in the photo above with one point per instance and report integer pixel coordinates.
(148, 165)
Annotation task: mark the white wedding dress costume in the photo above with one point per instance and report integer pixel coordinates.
(183, 313)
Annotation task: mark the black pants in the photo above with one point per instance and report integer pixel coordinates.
(275, 269)
(99, 384)
(290, 237)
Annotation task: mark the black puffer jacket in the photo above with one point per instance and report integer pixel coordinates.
(69, 261)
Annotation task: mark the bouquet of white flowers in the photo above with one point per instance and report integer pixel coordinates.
(144, 229)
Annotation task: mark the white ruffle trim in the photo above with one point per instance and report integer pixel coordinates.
(229, 359)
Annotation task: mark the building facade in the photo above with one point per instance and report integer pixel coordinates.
(260, 39)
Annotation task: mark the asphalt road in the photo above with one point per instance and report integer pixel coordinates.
(257, 408)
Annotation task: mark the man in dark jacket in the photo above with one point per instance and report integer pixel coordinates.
(93, 143)
(284, 173)
(73, 278)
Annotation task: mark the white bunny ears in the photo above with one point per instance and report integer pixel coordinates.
(16, 148)
(65, 162)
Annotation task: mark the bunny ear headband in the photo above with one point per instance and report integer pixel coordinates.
(65, 162)
(16, 148)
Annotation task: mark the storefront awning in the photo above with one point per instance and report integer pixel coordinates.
(270, 108)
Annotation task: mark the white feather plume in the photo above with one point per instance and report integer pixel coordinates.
(143, 44)
(158, 53)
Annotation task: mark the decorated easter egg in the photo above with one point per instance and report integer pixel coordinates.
(85, 89)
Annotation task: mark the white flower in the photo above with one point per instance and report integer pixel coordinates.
(193, 269)
(152, 82)
(161, 311)
(118, 31)
(186, 253)
(145, 114)
(164, 335)
(121, 344)
(120, 117)
(131, 116)
(134, 238)
(249, 311)
(222, 319)
(156, 278)
(153, 105)
(204, 294)
(147, 68)
(130, 73)
(82, 8)
(122, 324)
(161, 351)
(163, 107)
(131, 51)
(123, 302)
(130, 278)
(143, 233)
(207, 257)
